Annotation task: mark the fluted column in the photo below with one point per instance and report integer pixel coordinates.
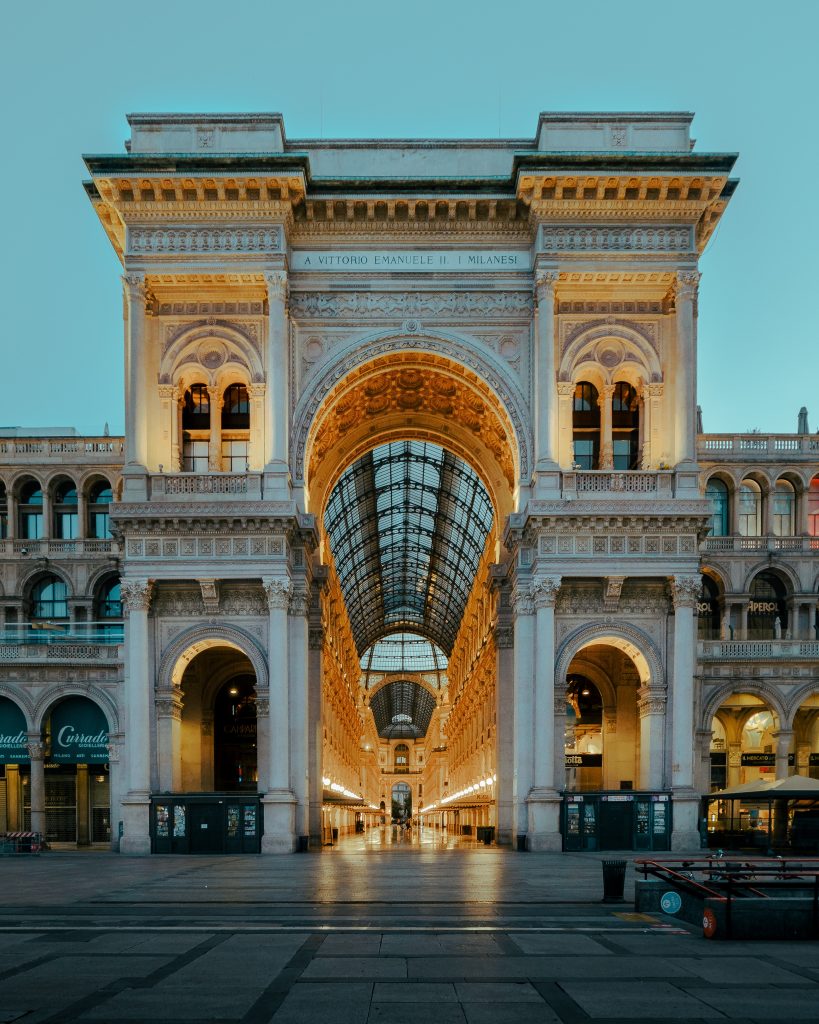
(169, 398)
(606, 441)
(279, 827)
(685, 593)
(546, 404)
(136, 596)
(276, 441)
(523, 662)
(36, 754)
(544, 590)
(685, 367)
(136, 398)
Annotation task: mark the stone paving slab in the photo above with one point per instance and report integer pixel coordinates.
(637, 1000)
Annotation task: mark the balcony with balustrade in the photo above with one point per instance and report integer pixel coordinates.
(56, 642)
(744, 448)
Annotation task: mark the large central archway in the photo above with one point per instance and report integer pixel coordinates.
(411, 466)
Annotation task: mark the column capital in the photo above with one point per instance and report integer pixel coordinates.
(687, 283)
(136, 593)
(256, 390)
(566, 388)
(521, 598)
(651, 701)
(36, 750)
(545, 281)
(685, 591)
(276, 281)
(545, 590)
(278, 592)
(133, 285)
(299, 603)
(606, 391)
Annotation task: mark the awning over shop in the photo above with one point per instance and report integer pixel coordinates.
(794, 787)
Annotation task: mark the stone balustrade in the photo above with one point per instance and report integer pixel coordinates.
(619, 483)
(60, 548)
(34, 450)
(756, 650)
(745, 544)
(205, 486)
(741, 447)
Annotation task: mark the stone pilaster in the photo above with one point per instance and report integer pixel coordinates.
(136, 397)
(276, 470)
(685, 593)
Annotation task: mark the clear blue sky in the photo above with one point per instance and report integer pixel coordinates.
(70, 72)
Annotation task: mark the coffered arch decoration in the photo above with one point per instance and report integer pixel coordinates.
(210, 352)
(769, 695)
(411, 395)
(185, 646)
(610, 352)
(104, 700)
(633, 642)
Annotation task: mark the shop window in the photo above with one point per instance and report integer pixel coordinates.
(31, 511)
(708, 610)
(236, 408)
(586, 426)
(750, 509)
(49, 599)
(625, 427)
(719, 756)
(813, 507)
(717, 494)
(768, 608)
(196, 408)
(66, 519)
(99, 501)
(783, 519)
(4, 512)
(234, 456)
(195, 456)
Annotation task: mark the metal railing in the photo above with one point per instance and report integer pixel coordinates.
(51, 633)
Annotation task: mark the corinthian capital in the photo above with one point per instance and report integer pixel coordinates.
(545, 590)
(545, 281)
(134, 286)
(278, 592)
(36, 751)
(685, 591)
(687, 284)
(136, 594)
(276, 281)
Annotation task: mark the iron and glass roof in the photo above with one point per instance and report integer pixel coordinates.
(407, 525)
(402, 654)
(402, 709)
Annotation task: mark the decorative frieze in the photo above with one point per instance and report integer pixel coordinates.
(574, 238)
(461, 305)
(203, 241)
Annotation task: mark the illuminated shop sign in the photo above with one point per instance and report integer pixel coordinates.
(584, 760)
(763, 607)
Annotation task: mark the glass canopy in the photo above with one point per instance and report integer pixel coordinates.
(402, 709)
(407, 525)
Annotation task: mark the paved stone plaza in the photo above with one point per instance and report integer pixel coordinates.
(375, 929)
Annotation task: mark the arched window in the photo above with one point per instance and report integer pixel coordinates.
(784, 509)
(586, 426)
(625, 427)
(109, 600)
(66, 520)
(99, 501)
(717, 493)
(196, 427)
(768, 607)
(4, 512)
(402, 757)
(236, 408)
(235, 428)
(196, 408)
(750, 509)
(49, 599)
(31, 511)
(813, 507)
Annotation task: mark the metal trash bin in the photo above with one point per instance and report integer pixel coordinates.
(522, 847)
(488, 835)
(335, 835)
(302, 844)
(614, 880)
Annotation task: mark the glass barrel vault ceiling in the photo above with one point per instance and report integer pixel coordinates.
(402, 709)
(407, 525)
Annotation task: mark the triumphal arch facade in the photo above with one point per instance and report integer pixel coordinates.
(410, 509)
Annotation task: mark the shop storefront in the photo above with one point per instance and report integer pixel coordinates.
(616, 821)
(14, 761)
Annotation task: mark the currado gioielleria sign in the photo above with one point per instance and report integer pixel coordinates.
(13, 734)
(79, 733)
